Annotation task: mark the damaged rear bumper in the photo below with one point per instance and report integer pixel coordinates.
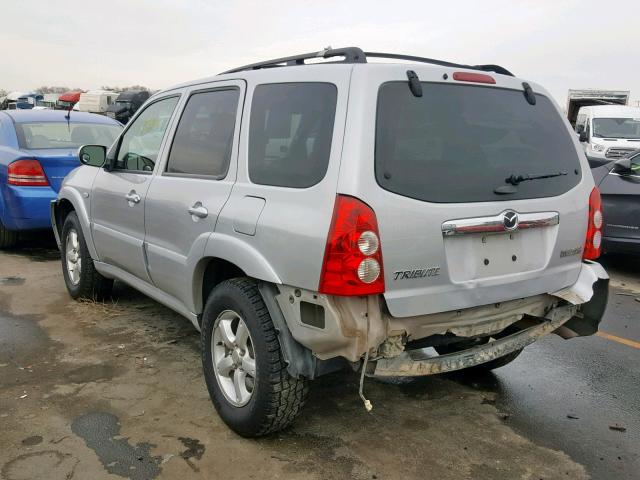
(415, 363)
(586, 301)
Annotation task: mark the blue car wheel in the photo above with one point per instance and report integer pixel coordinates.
(8, 238)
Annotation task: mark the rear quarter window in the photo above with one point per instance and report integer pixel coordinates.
(457, 143)
(290, 131)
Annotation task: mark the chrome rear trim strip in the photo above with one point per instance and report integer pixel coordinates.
(501, 223)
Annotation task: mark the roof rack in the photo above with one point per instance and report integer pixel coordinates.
(356, 55)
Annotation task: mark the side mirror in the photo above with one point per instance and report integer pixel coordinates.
(92, 155)
(583, 136)
(623, 165)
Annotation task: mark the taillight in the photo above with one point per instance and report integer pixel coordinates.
(26, 173)
(474, 77)
(593, 243)
(353, 256)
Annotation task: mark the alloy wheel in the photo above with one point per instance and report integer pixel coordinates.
(73, 259)
(233, 358)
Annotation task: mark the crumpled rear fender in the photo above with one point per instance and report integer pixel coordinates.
(591, 293)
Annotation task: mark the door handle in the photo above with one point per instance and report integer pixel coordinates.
(198, 210)
(132, 197)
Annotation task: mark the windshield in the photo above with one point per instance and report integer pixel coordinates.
(457, 143)
(616, 127)
(63, 135)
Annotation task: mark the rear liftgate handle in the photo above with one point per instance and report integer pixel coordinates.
(198, 210)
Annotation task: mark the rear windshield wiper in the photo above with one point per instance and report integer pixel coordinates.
(516, 179)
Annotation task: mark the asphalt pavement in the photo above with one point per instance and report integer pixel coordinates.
(93, 391)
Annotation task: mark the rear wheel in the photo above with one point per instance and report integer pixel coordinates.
(8, 238)
(80, 275)
(244, 369)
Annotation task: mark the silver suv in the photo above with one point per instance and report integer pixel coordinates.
(309, 216)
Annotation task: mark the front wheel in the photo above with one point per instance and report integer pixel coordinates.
(244, 369)
(80, 274)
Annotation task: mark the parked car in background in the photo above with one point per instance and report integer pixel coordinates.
(363, 212)
(49, 100)
(127, 104)
(38, 148)
(96, 101)
(67, 100)
(608, 132)
(12, 100)
(28, 101)
(619, 183)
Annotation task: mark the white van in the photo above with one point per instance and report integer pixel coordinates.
(608, 132)
(96, 101)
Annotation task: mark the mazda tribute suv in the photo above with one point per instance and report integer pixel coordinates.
(320, 211)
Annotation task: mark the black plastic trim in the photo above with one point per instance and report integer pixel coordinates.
(350, 54)
(356, 55)
(299, 359)
(591, 313)
(485, 68)
(528, 93)
(414, 83)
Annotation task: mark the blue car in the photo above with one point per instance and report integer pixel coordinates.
(38, 148)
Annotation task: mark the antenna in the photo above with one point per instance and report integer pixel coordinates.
(68, 117)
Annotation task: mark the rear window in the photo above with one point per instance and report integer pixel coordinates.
(457, 143)
(63, 135)
(290, 133)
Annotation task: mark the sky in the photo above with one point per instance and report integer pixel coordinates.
(560, 44)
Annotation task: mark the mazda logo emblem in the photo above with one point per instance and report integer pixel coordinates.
(510, 220)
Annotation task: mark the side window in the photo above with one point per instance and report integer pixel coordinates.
(635, 164)
(580, 123)
(204, 137)
(140, 144)
(290, 133)
(587, 129)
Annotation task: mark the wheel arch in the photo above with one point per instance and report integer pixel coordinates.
(227, 257)
(70, 201)
(210, 272)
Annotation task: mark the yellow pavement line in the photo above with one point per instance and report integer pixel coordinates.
(624, 341)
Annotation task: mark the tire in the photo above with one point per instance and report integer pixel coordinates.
(483, 367)
(8, 238)
(275, 397)
(88, 283)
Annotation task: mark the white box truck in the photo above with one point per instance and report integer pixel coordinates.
(96, 101)
(576, 99)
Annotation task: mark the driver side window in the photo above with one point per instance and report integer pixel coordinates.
(140, 144)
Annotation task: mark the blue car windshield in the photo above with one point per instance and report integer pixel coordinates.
(62, 135)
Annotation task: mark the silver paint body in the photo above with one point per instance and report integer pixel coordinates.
(278, 234)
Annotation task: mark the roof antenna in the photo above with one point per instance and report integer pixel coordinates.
(68, 117)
